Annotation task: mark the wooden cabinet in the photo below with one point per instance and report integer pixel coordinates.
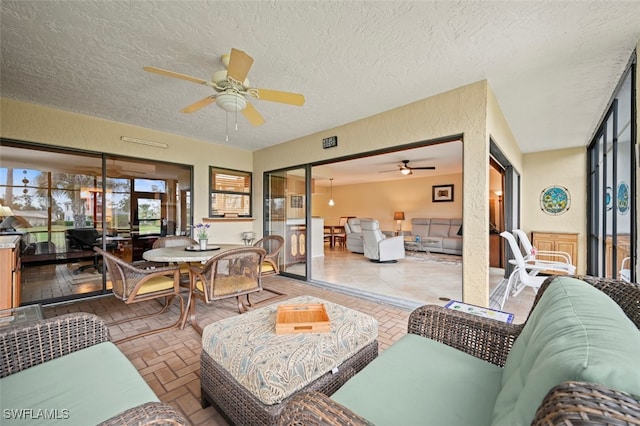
(555, 241)
(9, 271)
(495, 250)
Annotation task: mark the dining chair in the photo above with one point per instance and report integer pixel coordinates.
(232, 273)
(132, 283)
(559, 260)
(272, 244)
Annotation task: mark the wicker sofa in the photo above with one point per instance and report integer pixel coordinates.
(574, 361)
(66, 369)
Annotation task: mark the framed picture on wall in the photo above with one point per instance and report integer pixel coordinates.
(441, 193)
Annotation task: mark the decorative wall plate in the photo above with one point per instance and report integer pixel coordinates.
(623, 198)
(555, 200)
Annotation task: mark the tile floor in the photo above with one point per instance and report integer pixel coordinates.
(170, 361)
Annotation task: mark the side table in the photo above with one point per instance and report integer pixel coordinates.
(19, 316)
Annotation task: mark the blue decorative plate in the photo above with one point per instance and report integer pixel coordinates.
(623, 198)
(555, 200)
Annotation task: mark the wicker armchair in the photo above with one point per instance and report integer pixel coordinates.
(570, 403)
(22, 347)
(272, 245)
(232, 273)
(132, 283)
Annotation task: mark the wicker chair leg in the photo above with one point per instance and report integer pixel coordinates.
(177, 324)
(241, 307)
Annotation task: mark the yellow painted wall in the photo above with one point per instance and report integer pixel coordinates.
(34, 123)
(378, 200)
(567, 168)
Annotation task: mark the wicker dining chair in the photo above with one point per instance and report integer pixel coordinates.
(272, 244)
(132, 283)
(231, 273)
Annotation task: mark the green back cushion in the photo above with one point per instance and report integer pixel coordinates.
(575, 333)
(418, 381)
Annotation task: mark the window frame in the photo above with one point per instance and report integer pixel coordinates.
(213, 170)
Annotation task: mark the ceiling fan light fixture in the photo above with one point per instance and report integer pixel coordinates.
(231, 101)
(405, 171)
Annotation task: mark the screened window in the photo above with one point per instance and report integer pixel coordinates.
(230, 193)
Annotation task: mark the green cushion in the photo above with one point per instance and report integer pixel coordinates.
(421, 381)
(82, 388)
(575, 333)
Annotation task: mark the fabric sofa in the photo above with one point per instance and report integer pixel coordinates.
(439, 235)
(574, 361)
(67, 369)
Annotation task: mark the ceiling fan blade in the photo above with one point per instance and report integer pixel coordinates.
(282, 97)
(200, 104)
(175, 75)
(423, 168)
(252, 115)
(239, 65)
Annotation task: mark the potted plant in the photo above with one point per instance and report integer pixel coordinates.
(202, 235)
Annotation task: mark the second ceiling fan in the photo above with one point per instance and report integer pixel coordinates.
(405, 169)
(233, 89)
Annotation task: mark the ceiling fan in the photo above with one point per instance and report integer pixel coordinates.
(405, 169)
(233, 89)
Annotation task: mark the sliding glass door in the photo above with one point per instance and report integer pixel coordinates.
(285, 214)
(612, 188)
(63, 203)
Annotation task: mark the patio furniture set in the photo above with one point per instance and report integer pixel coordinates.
(578, 348)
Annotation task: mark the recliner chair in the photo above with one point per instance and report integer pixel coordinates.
(377, 247)
(353, 232)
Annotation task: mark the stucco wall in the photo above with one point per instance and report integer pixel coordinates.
(33, 123)
(459, 111)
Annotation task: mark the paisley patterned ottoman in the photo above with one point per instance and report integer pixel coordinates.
(249, 373)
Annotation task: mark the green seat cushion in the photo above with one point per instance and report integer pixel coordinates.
(82, 388)
(576, 332)
(420, 381)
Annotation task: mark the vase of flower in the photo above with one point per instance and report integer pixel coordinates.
(202, 234)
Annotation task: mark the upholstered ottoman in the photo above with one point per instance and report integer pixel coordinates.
(249, 373)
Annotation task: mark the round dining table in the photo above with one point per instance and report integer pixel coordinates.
(187, 254)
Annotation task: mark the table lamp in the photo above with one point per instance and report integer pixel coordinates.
(399, 217)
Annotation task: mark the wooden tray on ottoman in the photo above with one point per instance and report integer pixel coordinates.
(303, 318)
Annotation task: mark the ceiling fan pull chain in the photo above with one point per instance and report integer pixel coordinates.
(236, 114)
(226, 126)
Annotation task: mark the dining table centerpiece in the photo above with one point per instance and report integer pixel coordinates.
(202, 234)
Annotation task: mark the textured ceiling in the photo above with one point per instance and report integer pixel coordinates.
(553, 65)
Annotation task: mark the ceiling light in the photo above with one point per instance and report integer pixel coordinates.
(405, 171)
(331, 203)
(231, 101)
(143, 142)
